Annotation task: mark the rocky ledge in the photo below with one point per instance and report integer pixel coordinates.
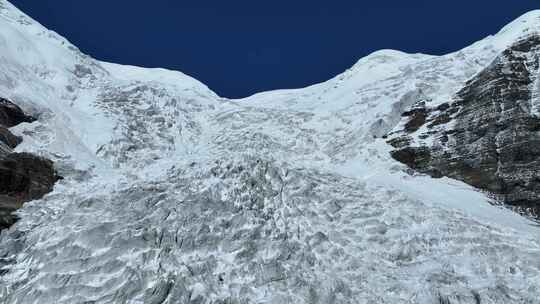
(487, 136)
(23, 176)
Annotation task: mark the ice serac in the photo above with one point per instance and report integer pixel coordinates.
(172, 194)
(488, 135)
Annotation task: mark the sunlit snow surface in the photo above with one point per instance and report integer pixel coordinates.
(175, 195)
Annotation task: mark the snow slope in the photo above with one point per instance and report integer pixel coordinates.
(175, 195)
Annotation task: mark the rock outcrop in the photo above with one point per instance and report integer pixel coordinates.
(9, 139)
(11, 114)
(488, 136)
(26, 176)
(23, 176)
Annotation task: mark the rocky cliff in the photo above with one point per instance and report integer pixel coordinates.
(488, 135)
(23, 176)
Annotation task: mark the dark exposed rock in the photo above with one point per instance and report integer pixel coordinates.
(11, 115)
(441, 119)
(417, 158)
(443, 107)
(8, 138)
(414, 157)
(7, 206)
(23, 176)
(494, 140)
(26, 176)
(399, 142)
(417, 119)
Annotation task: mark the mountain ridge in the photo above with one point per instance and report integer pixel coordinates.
(172, 194)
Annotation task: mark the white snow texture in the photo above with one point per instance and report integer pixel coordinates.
(173, 194)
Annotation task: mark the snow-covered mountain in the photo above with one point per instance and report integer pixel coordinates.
(487, 134)
(172, 194)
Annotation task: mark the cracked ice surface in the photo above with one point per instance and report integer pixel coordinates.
(175, 195)
(257, 231)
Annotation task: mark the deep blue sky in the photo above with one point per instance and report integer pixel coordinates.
(238, 48)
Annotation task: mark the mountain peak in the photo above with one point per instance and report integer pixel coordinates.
(525, 25)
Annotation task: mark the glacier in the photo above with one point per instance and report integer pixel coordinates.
(173, 194)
